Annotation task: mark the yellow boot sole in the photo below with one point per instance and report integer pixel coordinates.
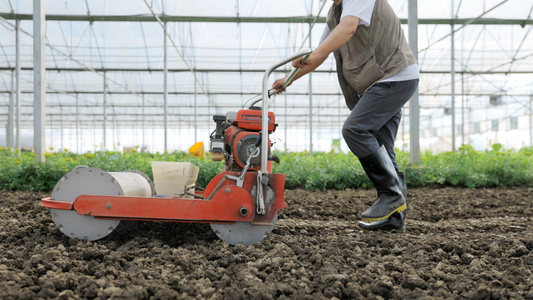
(399, 209)
(361, 229)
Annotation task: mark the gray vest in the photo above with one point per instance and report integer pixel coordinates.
(373, 53)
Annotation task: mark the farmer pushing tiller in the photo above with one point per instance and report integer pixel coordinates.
(378, 74)
(241, 203)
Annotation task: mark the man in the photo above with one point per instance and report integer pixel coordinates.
(378, 74)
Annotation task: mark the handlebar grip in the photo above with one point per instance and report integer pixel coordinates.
(293, 73)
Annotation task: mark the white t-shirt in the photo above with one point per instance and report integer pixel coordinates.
(363, 9)
(358, 8)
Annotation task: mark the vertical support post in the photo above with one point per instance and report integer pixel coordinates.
(78, 143)
(51, 128)
(114, 129)
(531, 120)
(104, 107)
(165, 88)
(430, 126)
(17, 88)
(286, 125)
(453, 78)
(11, 113)
(463, 99)
(61, 126)
(39, 92)
(195, 89)
(94, 133)
(118, 128)
(414, 108)
(310, 98)
(144, 120)
(195, 112)
(463, 109)
(310, 113)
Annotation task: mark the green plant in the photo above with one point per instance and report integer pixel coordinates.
(464, 168)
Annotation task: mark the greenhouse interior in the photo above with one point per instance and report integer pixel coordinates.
(140, 156)
(150, 75)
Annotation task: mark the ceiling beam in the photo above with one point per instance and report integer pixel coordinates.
(429, 94)
(70, 69)
(234, 19)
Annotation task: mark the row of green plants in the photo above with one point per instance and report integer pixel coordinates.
(463, 168)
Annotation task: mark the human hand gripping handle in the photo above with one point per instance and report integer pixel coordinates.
(281, 84)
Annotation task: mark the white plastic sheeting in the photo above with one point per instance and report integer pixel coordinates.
(217, 51)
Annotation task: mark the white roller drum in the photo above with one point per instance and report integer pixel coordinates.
(93, 181)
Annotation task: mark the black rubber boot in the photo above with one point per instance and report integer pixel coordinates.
(403, 187)
(382, 173)
(395, 222)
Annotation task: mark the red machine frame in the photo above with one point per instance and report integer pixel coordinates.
(228, 203)
(253, 195)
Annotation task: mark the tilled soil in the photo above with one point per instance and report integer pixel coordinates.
(459, 243)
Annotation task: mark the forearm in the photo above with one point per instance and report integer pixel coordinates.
(308, 68)
(336, 39)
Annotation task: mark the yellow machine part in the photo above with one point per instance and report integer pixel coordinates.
(197, 150)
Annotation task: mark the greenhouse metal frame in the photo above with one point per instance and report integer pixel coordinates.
(112, 75)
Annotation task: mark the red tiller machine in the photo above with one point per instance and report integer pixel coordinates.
(241, 203)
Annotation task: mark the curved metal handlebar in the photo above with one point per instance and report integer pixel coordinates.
(264, 109)
(292, 74)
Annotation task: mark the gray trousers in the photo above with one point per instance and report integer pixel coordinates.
(375, 119)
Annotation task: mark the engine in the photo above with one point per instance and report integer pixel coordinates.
(235, 138)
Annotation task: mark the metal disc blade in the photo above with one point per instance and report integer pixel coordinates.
(84, 180)
(82, 227)
(242, 232)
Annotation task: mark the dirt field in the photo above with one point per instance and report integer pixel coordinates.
(459, 243)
